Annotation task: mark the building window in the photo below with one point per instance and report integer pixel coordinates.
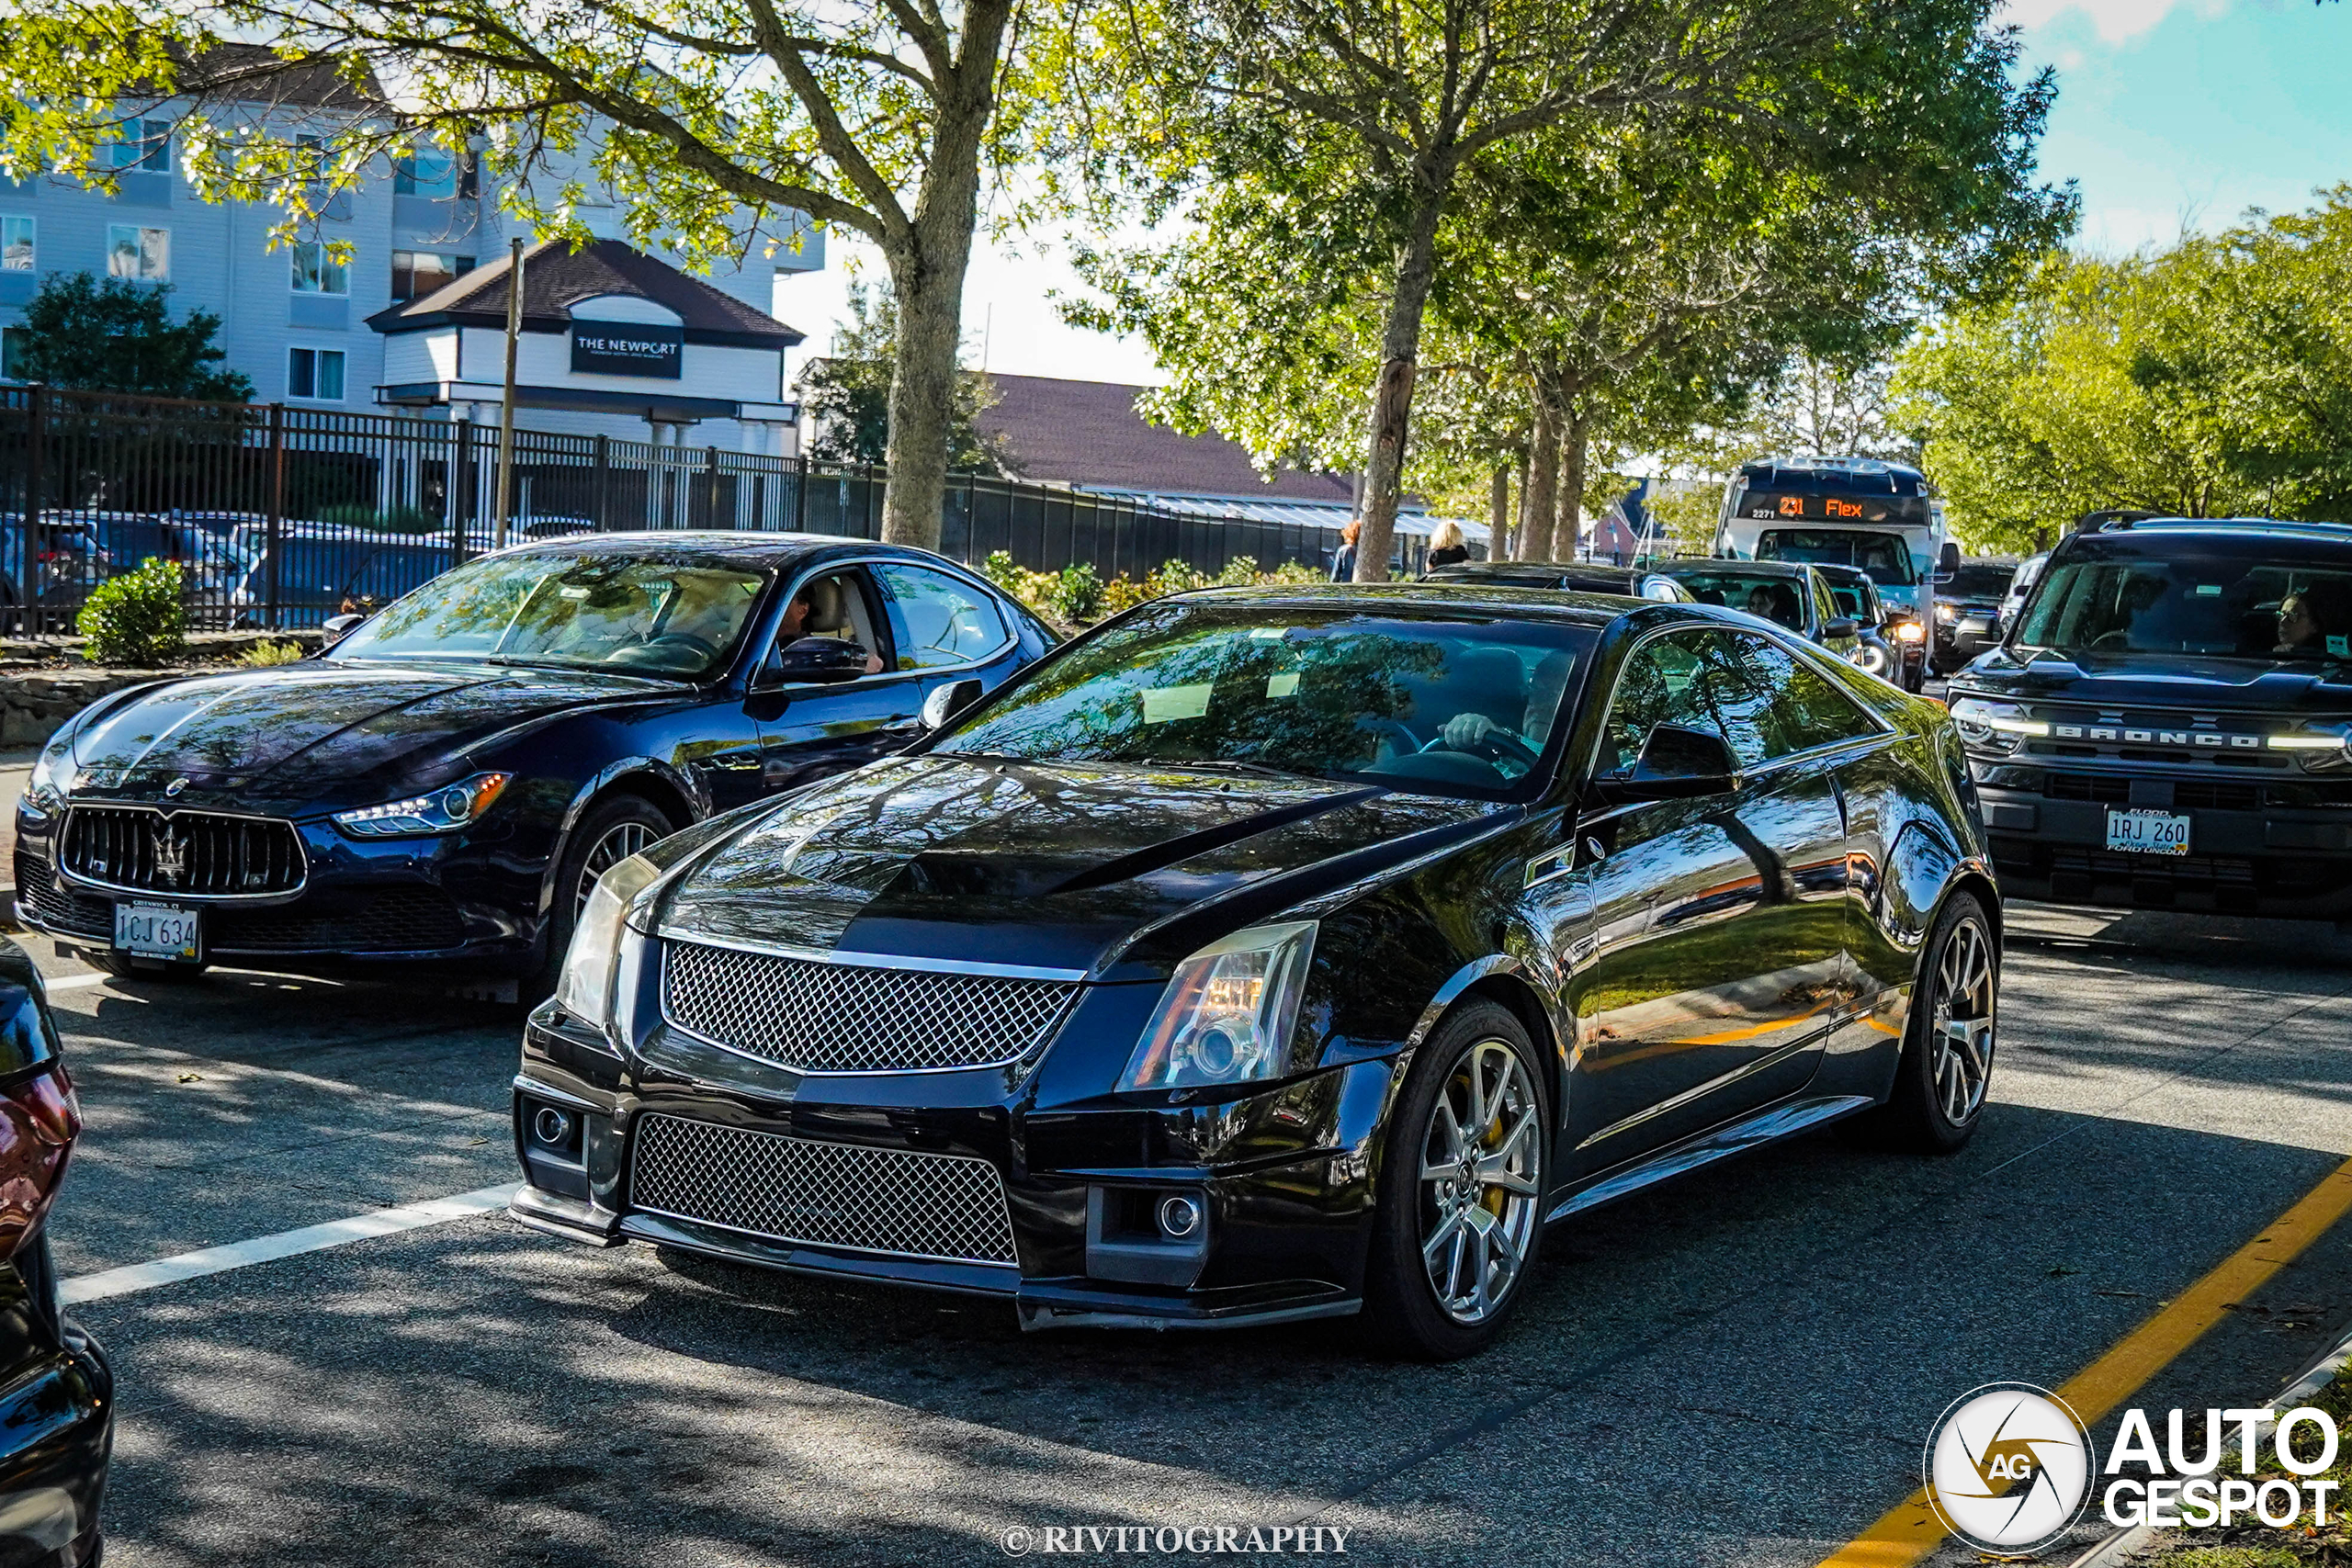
(16, 244)
(12, 353)
(417, 273)
(317, 272)
(134, 252)
(146, 145)
(314, 373)
(430, 172)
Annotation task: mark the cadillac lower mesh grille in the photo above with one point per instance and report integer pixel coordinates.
(187, 852)
(844, 1017)
(794, 1190)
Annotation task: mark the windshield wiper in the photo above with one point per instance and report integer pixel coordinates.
(1228, 765)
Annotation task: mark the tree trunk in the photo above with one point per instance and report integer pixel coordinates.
(1568, 532)
(1498, 515)
(1543, 484)
(1392, 397)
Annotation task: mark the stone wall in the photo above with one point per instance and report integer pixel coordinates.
(37, 697)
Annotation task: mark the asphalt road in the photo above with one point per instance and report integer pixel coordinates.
(1739, 1368)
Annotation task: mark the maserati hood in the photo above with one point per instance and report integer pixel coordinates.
(305, 732)
(1046, 865)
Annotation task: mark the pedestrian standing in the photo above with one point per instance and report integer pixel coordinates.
(1446, 546)
(1344, 563)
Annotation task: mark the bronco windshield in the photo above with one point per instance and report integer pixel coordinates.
(1454, 703)
(636, 614)
(2261, 597)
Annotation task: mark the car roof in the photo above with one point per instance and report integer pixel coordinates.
(1837, 572)
(2236, 528)
(1537, 573)
(745, 548)
(1594, 610)
(1749, 568)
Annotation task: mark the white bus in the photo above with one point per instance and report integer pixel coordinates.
(1859, 512)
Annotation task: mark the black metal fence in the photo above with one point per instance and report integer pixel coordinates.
(281, 516)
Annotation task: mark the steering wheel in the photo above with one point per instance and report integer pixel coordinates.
(1494, 746)
(673, 642)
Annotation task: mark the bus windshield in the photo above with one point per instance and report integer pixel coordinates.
(1884, 555)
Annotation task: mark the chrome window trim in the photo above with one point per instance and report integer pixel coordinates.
(64, 874)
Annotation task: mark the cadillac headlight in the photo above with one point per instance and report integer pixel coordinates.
(585, 989)
(1227, 1014)
(2321, 748)
(444, 810)
(1989, 725)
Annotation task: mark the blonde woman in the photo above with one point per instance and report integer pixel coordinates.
(1446, 546)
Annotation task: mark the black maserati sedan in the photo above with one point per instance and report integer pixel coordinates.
(1575, 576)
(445, 783)
(1270, 955)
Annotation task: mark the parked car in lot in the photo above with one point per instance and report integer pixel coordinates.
(1790, 594)
(1574, 576)
(1892, 646)
(56, 1389)
(2168, 724)
(444, 784)
(1269, 953)
(1968, 612)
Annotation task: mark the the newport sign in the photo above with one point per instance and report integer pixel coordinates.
(628, 349)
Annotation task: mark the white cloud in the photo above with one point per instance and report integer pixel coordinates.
(2115, 21)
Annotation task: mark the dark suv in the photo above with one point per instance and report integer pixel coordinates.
(2170, 723)
(1968, 612)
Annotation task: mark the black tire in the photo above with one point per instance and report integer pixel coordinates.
(1943, 1079)
(163, 969)
(1404, 1314)
(612, 830)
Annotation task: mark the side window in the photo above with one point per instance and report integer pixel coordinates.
(1693, 678)
(1802, 708)
(935, 621)
(835, 603)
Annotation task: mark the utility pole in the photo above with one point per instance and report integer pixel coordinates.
(506, 404)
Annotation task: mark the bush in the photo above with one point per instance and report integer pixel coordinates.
(1076, 594)
(262, 655)
(137, 619)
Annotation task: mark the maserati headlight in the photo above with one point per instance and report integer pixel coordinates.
(1227, 1014)
(444, 810)
(51, 776)
(2324, 748)
(1990, 726)
(585, 988)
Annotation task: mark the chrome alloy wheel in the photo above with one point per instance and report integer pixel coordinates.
(1481, 1179)
(620, 841)
(1961, 1022)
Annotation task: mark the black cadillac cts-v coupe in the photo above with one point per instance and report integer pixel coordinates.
(1271, 954)
(445, 785)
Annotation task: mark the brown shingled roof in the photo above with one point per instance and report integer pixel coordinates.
(556, 278)
(255, 74)
(1087, 432)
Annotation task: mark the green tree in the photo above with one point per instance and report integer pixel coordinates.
(705, 123)
(848, 395)
(113, 335)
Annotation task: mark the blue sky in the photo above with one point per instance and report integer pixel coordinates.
(2170, 112)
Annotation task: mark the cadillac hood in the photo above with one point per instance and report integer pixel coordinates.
(320, 732)
(2120, 682)
(1048, 866)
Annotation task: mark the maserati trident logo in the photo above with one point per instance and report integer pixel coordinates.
(171, 856)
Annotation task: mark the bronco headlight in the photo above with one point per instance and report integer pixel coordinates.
(1989, 725)
(585, 989)
(1227, 1014)
(444, 810)
(2322, 749)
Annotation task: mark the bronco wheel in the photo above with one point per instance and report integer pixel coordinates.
(607, 835)
(1461, 1189)
(1947, 1065)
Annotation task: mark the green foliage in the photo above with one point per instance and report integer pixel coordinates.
(847, 397)
(2211, 380)
(113, 335)
(1076, 594)
(137, 619)
(265, 655)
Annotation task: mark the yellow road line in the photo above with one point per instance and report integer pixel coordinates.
(1909, 1531)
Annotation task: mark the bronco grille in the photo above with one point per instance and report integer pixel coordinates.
(849, 1017)
(143, 851)
(795, 1190)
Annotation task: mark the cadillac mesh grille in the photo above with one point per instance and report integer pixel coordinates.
(847, 1018)
(186, 851)
(795, 1190)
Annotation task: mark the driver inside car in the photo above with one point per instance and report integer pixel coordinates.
(1471, 731)
(821, 609)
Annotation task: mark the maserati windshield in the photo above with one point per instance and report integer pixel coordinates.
(2262, 597)
(1446, 704)
(638, 613)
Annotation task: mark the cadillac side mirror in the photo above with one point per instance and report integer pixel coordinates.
(337, 627)
(1677, 763)
(946, 702)
(812, 662)
(1844, 625)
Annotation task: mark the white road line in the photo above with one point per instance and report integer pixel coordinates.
(284, 1244)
